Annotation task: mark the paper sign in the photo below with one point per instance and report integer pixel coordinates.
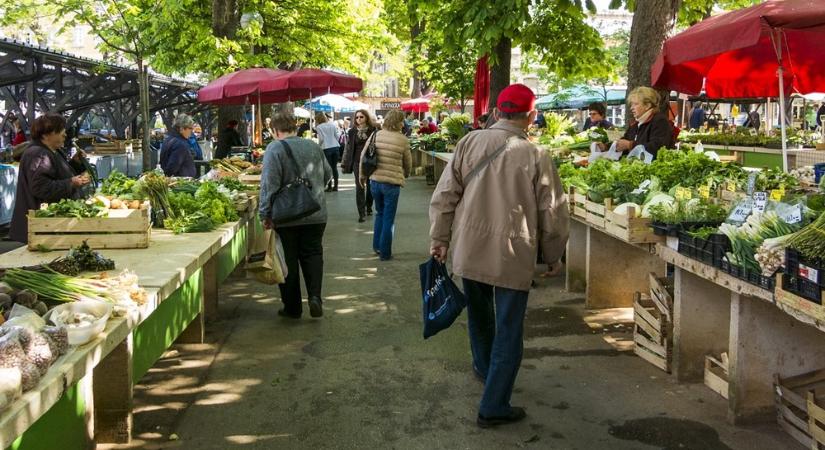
(777, 194)
(751, 182)
(683, 193)
(704, 192)
(741, 212)
(730, 186)
(809, 273)
(790, 214)
(760, 201)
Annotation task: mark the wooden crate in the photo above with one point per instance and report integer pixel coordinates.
(630, 228)
(116, 147)
(124, 228)
(790, 395)
(716, 374)
(249, 179)
(577, 202)
(595, 213)
(652, 333)
(661, 293)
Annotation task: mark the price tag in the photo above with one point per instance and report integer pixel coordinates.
(790, 214)
(683, 193)
(642, 188)
(760, 201)
(742, 211)
(751, 182)
(704, 192)
(777, 194)
(730, 186)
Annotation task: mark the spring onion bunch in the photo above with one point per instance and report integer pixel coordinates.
(747, 238)
(59, 287)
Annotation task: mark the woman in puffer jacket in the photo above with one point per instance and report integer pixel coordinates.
(394, 162)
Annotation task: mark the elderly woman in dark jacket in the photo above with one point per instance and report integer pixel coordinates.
(45, 175)
(357, 137)
(652, 129)
(176, 159)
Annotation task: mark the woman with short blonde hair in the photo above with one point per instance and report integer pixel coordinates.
(394, 162)
(652, 130)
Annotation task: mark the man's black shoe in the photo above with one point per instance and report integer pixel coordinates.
(282, 312)
(516, 414)
(315, 307)
(369, 212)
(362, 219)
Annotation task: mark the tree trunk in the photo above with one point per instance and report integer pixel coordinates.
(143, 89)
(225, 22)
(500, 72)
(650, 27)
(417, 88)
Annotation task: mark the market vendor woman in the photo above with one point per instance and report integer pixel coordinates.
(45, 175)
(652, 129)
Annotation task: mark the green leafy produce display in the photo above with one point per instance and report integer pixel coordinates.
(234, 185)
(73, 208)
(747, 238)
(455, 126)
(694, 210)
(117, 184)
(810, 241)
(191, 223)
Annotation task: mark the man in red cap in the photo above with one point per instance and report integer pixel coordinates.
(496, 202)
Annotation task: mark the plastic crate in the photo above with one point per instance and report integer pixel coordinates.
(686, 245)
(798, 266)
(803, 288)
(663, 229)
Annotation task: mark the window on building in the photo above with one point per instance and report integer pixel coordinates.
(77, 37)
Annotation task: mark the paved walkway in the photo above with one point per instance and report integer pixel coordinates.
(362, 377)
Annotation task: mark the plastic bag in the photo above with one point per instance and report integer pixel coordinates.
(442, 300)
(612, 153)
(271, 269)
(639, 152)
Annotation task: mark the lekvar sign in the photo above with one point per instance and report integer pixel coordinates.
(390, 105)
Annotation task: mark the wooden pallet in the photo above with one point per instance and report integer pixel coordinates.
(577, 202)
(595, 213)
(630, 228)
(118, 147)
(652, 333)
(716, 374)
(661, 293)
(790, 395)
(123, 228)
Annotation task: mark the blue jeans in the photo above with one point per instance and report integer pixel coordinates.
(385, 196)
(496, 324)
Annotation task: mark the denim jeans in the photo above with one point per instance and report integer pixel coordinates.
(386, 204)
(495, 318)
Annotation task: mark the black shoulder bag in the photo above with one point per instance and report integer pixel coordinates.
(370, 161)
(294, 200)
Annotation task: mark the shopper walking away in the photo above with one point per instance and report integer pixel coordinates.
(328, 135)
(394, 162)
(228, 138)
(356, 140)
(175, 154)
(45, 175)
(303, 238)
(497, 201)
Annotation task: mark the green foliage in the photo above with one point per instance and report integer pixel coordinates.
(455, 125)
(557, 124)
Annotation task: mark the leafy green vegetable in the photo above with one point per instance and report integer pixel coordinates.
(118, 184)
(71, 208)
(191, 223)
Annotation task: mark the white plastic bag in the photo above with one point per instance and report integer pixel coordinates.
(612, 153)
(639, 152)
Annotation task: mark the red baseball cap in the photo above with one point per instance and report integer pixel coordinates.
(516, 98)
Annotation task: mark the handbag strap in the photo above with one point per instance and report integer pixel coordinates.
(371, 146)
(486, 161)
(291, 157)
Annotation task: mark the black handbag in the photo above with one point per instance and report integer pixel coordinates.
(294, 200)
(370, 162)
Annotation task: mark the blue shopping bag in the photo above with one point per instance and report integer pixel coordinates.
(442, 300)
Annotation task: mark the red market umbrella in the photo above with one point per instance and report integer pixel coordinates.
(242, 87)
(307, 83)
(746, 53)
(417, 105)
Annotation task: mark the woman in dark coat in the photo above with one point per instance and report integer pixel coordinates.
(175, 157)
(652, 129)
(357, 137)
(45, 175)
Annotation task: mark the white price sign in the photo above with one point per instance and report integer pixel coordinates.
(642, 187)
(760, 201)
(790, 214)
(741, 212)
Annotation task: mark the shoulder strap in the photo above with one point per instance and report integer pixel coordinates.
(486, 161)
(289, 155)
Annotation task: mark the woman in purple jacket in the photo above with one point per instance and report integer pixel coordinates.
(45, 175)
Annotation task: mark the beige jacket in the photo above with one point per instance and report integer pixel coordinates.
(494, 222)
(394, 158)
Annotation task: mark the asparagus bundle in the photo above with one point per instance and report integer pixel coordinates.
(810, 241)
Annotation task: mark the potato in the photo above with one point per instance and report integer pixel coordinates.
(136, 204)
(116, 203)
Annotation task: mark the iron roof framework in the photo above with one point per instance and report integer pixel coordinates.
(36, 79)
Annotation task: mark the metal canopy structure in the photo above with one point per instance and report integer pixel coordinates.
(37, 79)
